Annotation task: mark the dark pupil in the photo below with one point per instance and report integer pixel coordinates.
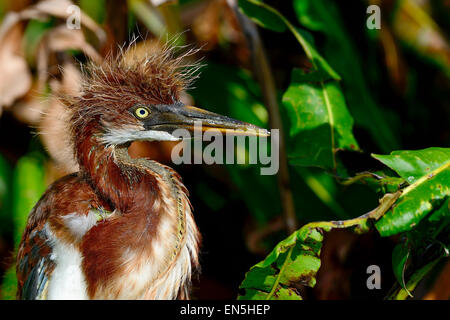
(142, 112)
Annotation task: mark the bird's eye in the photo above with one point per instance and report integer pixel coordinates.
(141, 112)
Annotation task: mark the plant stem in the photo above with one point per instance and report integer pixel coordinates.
(263, 73)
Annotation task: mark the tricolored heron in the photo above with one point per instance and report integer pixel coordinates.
(121, 227)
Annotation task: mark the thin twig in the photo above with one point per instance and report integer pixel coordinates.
(263, 73)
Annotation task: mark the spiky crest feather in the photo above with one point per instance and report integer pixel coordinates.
(146, 75)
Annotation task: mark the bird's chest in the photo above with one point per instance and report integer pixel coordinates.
(126, 259)
(138, 277)
(67, 281)
(139, 254)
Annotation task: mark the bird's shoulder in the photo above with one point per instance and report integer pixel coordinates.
(70, 194)
(68, 197)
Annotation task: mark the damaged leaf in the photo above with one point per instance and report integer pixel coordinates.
(295, 261)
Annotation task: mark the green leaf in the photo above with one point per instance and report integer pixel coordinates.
(414, 280)
(324, 187)
(9, 284)
(268, 17)
(296, 260)
(425, 243)
(428, 171)
(320, 121)
(342, 54)
(28, 186)
(293, 261)
(412, 207)
(149, 16)
(441, 214)
(263, 15)
(432, 231)
(94, 9)
(412, 165)
(400, 256)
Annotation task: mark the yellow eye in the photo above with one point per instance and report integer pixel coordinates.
(142, 112)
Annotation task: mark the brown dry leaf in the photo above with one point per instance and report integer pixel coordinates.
(15, 78)
(60, 9)
(44, 9)
(395, 64)
(414, 26)
(206, 26)
(53, 125)
(29, 109)
(61, 39)
(157, 3)
(9, 21)
(217, 23)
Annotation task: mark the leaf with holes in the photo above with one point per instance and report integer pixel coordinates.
(293, 261)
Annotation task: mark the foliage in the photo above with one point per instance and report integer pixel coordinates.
(28, 186)
(321, 124)
(427, 172)
(296, 260)
(360, 111)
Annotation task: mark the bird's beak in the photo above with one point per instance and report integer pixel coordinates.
(168, 118)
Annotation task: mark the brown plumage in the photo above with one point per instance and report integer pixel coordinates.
(120, 228)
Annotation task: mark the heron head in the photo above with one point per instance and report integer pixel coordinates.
(123, 101)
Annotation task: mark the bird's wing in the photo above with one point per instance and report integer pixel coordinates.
(34, 264)
(35, 257)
